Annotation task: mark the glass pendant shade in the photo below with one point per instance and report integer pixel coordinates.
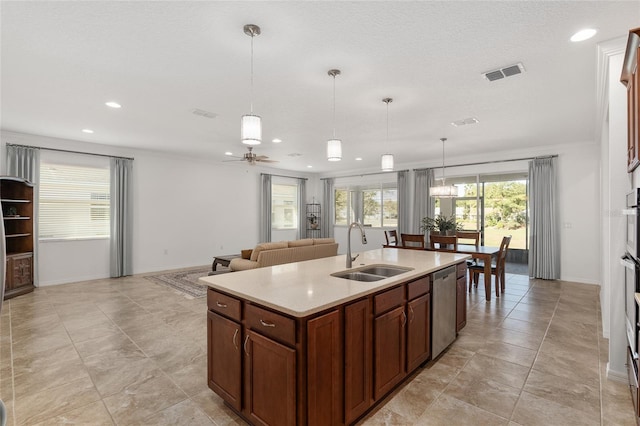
(443, 191)
(386, 162)
(251, 129)
(334, 150)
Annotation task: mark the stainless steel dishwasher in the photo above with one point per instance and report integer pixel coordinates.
(444, 310)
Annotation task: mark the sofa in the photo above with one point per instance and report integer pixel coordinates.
(278, 253)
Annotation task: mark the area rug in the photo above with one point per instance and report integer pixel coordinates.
(183, 281)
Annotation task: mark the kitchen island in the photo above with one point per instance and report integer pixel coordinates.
(293, 344)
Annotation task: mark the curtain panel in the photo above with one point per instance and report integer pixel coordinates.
(404, 207)
(265, 208)
(302, 212)
(544, 244)
(424, 205)
(328, 211)
(24, 162)
(121, 209)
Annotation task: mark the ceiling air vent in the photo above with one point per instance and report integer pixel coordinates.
(504, 72)
(203, 113)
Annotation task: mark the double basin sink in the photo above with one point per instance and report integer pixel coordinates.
(372, 273)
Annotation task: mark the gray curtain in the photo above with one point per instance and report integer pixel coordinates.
(327, 214)
(121, 241)
(404, 200)
(265, 208)
(544, 246)
(302, 212)
(24, 162)
(423, 205)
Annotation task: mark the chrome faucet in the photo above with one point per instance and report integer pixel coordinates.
(364, 241)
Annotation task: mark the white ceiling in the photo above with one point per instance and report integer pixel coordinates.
(61, 61)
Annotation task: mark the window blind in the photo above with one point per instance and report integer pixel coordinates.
(74, 202)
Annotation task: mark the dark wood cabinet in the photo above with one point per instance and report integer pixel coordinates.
(389, 354)
(324, 370)
(418, 331)
(269, 381)
(16, 198)
(224, 346)
(631, 79)
(357, 359)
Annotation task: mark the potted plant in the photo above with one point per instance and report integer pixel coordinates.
(443, 224)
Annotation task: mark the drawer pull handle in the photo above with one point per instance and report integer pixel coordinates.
(404, 319)
(235, 342)
(221, 305)
(267, 324)
(246, 339)
(413, 314)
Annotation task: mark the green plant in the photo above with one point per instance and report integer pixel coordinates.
(439, 223)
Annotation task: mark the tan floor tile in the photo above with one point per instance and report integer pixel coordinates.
(185, 413)
(385, 416)
(501, 371)
(567, 367)
(48, 375)
(117, 343)
(446, 410)
(215, 408)
(140, 400)
(112, 374)
(533, 410)
(516, 338)
(485, 393)
(456, 357)
(565, 392)
(191, 378)
(515, 354)
(535, 329)
(94, 414)
(40, 406)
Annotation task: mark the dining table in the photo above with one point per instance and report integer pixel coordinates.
(484, 253)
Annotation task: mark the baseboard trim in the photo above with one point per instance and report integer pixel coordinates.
(617, 376)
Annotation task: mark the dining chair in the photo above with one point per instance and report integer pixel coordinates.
(473, 237)
(498, 270)
(391, 237)
(443, 242)
(412, 241)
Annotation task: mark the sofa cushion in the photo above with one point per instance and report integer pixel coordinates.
(239, 264)
(323, 241)
(267, 246)
(246, 254)
(301, 243)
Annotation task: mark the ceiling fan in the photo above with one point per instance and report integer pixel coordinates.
(252, 158)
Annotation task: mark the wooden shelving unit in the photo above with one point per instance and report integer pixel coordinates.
(16, 200)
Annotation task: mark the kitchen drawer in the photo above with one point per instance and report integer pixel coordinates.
(461, 269)
(271, 324)
(223, 304)
(388, 300)
(418, 287)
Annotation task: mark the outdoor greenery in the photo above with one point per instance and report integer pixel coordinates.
(439, 223)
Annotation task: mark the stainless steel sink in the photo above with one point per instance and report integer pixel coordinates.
(371, 273)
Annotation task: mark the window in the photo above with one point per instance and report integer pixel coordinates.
(284, 206)
(377, 206)
(74, 202)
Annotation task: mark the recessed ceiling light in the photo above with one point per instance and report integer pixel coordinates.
(470, 120)
(309, 166)
(583, 35)
(276, 140)
(228, 153)
(87, 130)
(358, 158)
(112, 104)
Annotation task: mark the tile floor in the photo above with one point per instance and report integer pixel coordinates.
(128, 351)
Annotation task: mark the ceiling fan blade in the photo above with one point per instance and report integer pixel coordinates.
(267, 161)
(261, 157)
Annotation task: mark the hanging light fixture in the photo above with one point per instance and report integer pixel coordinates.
(334, 146)
(251, 125)
(444, 190)
(386, 161)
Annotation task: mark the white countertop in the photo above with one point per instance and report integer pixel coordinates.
(304, 288)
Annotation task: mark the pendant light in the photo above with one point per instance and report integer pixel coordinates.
(443, 191)
(251, 124)
(334, 146)
(386, 161)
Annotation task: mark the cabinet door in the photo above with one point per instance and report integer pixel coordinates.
(324, 370)
(461, 303)
(418, 332)
(21, 271)
(357, 359)
(8, 276)
(270, 381)
(224, 358)
(389, 342)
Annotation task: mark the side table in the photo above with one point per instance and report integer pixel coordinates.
(223, 260)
